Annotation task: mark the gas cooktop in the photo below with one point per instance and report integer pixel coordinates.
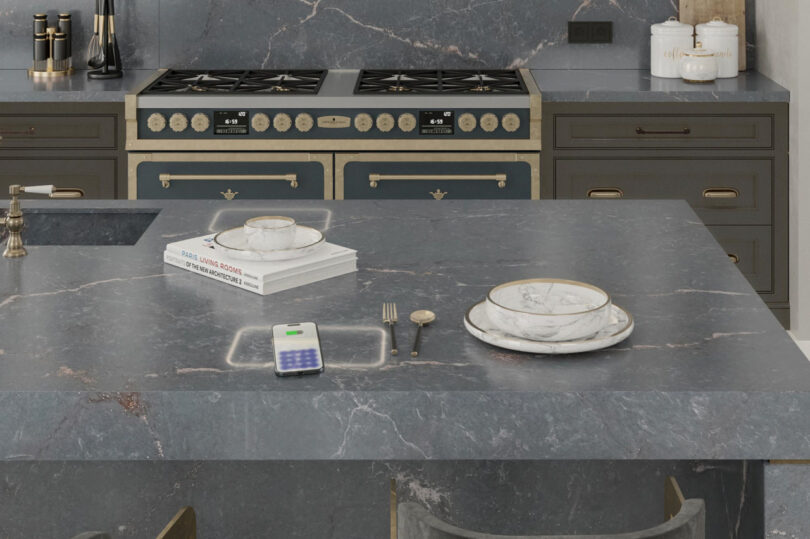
(287, 81)
(440, 81)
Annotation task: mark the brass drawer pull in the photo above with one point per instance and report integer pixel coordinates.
(734, 258)
(375, 179)
(613, 192)
(721, 192)
(167, 179)
(30, 132)
(642, 131)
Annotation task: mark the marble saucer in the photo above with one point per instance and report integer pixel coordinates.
(620, 325)
(233, 243)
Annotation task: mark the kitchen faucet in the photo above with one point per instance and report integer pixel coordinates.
(14, 219)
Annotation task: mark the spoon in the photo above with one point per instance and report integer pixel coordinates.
(420, 318)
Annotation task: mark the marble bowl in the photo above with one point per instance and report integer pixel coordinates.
(550, 310)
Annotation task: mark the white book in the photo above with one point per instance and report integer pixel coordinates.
(199, 256)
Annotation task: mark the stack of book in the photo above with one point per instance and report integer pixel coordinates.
(199, 255)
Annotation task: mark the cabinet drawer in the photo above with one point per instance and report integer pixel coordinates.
(32, 132)
(231, 176)
(722, 191)
(95, 176)
(750, 247)
(437, 176)
(663, 131)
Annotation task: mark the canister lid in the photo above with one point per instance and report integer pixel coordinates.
(672, 27)
(699, 52)
(717, 27)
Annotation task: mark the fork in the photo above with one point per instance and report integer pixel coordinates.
(389, 315)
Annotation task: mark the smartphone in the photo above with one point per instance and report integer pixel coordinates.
(297, 349)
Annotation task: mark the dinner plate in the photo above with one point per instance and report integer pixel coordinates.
(233, 243)
(620, 325)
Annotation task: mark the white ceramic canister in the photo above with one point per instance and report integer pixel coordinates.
(723, 39)
(698, 65)
(669, 40)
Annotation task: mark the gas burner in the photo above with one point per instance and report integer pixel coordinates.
(461, 81)
(294, 81)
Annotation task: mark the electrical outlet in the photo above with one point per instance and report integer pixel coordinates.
(590, 32)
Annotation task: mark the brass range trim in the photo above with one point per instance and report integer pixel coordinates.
(375, 179)
(325, 159)
(166, 179)
(532, 144)
(343, 159)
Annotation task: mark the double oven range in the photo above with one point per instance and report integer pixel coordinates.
(353, 134)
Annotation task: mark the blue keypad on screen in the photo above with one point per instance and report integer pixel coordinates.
(303, 359)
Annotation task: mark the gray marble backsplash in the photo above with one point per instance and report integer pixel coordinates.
(353, 33)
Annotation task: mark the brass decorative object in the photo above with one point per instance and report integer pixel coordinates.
(438, 194)
(14, 221)
(229, 195)
(389, 316)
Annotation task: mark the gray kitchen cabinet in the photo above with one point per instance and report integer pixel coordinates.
(71, 144)
(729, 161)
(437, 176)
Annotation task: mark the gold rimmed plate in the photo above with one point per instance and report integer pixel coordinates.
(620, 325)
(233, 243)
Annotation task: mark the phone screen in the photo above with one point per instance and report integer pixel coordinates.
(297, 349)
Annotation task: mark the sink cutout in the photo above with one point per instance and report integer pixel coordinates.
(252, 347)
(82, 227)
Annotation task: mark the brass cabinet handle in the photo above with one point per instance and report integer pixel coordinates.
(167, 179)
(602, 192)
(375, 179)
(721, 192)
(642, 131)
(734, 258)
(30, 132)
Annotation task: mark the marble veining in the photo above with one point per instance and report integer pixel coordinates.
(108, 354)
(358, 33)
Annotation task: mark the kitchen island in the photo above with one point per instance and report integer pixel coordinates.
(111, 360)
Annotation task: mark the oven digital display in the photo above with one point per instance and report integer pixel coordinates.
(437, 122)
(231, 122)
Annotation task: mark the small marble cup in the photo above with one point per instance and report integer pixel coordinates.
(270, 232)
(548, 310)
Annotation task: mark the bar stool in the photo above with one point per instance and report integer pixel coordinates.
(182, 526)
(687, 520)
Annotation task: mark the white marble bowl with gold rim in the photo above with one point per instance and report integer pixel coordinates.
(270, 232)
(548, 310)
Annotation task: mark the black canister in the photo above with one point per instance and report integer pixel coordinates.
(41, 47)
(59, 47)
(65, 28)
(40, 27)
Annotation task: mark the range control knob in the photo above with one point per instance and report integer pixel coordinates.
(363, 122)
(467, 122)
(407, 122)
(511, 122)
(260, 122)
(200, 122)
(304, 122)
(489, 122)
(282, 122)
(178, 122)
(385, 122)
(156, 122)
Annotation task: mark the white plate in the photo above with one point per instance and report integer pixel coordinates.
(619, 327)
(233, 243)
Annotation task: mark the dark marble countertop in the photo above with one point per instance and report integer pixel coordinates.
(16, 85)
(107, 353)
(619, 85)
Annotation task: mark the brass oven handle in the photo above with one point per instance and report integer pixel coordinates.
(375, 179)
(734, 258)
(167, 179)
(606, 192)
(642, 131)
(721, 192)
